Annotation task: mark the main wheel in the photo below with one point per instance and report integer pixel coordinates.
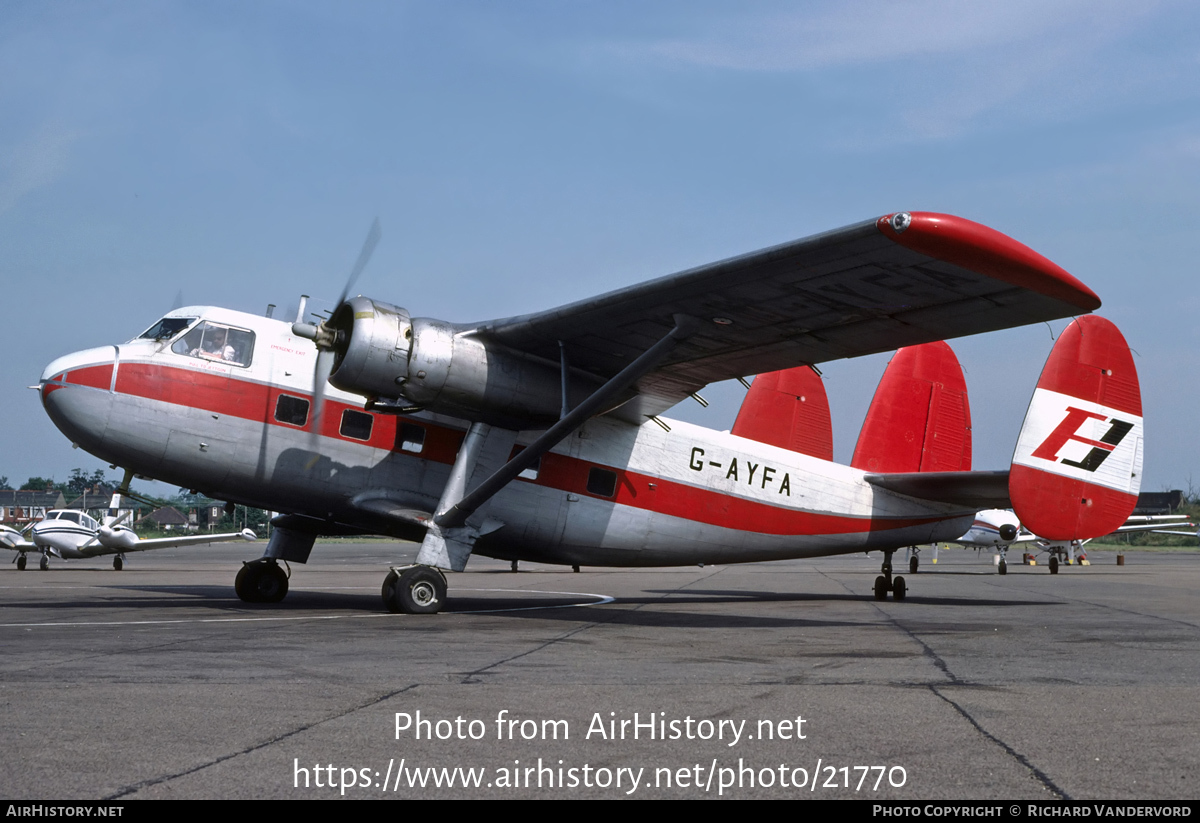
(1002, 568)
(1053, 565)
(117, 564)
(881, 588)
(913, 562)
(21, 563)
(899, 588)
(261, 582)
(419, 590)
(44, 563)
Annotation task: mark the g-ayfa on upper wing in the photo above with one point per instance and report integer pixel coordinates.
(904, 279)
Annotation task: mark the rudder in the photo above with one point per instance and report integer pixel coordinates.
(919, 419)
(788, 409)
(1077, 468)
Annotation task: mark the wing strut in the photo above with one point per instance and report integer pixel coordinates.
(456, 516)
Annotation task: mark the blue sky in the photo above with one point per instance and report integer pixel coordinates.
(522, 155)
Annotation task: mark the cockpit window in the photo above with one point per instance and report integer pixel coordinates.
(214, 341)
(167, 328)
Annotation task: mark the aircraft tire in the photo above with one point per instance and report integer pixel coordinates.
(899, 589)
(881, 588)
(1053, 565)
(1002, 568)
(117, 564)
(21, 563)
(261, 582)
(44, 563)
(913, 563)
(418, 590)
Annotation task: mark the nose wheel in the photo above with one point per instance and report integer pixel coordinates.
(261, 581)
(414, 590)
(44, 563)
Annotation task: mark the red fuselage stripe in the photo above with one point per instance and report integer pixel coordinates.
(248, 400)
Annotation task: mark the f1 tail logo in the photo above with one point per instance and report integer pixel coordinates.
(1067, 431)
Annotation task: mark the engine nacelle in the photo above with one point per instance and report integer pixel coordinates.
(437, 366)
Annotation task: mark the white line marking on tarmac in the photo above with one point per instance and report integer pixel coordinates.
(601, 600)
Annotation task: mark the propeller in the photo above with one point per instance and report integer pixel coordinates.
(326, 337)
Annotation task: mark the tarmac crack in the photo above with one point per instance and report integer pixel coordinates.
(1035, 772)
(1040, 776)
(144, 784)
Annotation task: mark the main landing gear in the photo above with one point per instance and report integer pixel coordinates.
(885, 583)
(414, 590)
(21, 563)
(118, 563)
(261, 581)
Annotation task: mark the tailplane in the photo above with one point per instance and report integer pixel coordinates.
(788, 409)
(919, 419)
(1077, 468)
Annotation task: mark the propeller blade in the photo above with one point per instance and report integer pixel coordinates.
(324, 368)
(364, 257)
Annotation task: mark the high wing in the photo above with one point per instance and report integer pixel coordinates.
(904, 279)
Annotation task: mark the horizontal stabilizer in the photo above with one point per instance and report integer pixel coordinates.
(1077, 467)
(975, 490)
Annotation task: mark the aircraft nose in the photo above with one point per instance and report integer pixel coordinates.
(76, 393)
(1008, 532)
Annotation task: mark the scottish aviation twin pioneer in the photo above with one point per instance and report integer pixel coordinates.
(539, 437)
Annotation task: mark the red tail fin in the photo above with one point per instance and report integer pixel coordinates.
(788, 409)
(1078, 464)
(919, 420)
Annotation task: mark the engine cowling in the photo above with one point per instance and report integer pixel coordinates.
(383, 353)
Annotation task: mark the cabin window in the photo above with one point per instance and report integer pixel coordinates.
(215, 341)
(356, 424)
(411, 437)
(291, 410)
(602, 482)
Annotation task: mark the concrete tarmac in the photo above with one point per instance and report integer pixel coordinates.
(765, 680)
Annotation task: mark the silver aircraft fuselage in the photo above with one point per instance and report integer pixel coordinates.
(228, 413)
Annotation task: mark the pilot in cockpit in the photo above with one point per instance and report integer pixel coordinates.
(214, 346)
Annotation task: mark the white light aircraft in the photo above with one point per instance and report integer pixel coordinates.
(74, 535)
(540, 437)
(1000, 529)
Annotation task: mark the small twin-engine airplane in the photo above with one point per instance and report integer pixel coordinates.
(73, 535)
(1000, 529)
(539, 437)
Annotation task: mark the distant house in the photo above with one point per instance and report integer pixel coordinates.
(20, 507)
(169, 518)
(1159, 502)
